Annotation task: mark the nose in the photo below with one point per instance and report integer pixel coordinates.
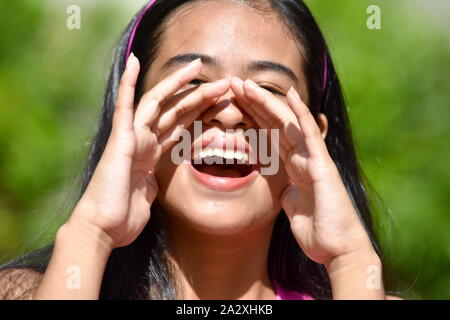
(227, 114)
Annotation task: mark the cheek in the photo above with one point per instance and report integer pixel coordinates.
(215, 212)
(218, 213)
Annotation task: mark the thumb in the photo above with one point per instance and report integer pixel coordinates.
(289, 200)
(152, 189)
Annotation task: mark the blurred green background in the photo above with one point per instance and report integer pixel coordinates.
(395, 80)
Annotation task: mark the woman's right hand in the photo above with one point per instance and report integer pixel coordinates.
(122, 189)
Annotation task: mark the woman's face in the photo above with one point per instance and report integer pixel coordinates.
(234, 35)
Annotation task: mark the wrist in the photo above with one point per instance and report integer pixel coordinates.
(359, 257)
(357, 248)
(356, 275)
(77, 265)
(76, 231)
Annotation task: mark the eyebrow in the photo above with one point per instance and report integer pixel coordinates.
(255, 65)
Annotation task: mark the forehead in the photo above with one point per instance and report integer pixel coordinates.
(233, 32)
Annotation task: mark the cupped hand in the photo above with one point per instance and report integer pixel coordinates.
(118, 198)
(321, 213)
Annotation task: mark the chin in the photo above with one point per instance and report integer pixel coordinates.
(208, 194)
(212, 211)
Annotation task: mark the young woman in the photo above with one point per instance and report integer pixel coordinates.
(145, 227)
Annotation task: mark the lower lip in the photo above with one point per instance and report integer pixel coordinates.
(222, 183)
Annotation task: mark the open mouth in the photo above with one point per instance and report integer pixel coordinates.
(222, 162)
(223, 167)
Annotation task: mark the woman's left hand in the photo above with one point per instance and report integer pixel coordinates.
(321, 213)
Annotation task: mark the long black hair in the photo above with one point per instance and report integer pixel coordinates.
(141, 269)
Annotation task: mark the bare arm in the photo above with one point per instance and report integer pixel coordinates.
(77, 265)
(115, 207)
(356, 276)
(320, 211)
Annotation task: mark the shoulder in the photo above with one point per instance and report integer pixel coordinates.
(19, 283)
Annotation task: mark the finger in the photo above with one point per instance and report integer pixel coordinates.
(151, 102)
(276, 113)
(197, 100)
(262, 99)
(244, 102)
(282, 150)
(263, 123)
(314, 141)
(173, 133)
(281, 113)
(123, 113)
(250, 107)
(247, 105)
(277, 148)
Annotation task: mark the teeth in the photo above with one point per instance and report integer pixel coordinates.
(218, 153)
(239, 155)
(228, 154)
(213, 160)
(242, 157)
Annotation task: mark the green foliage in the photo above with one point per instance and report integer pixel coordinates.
(52, 81)
(395, 79)
(396, 84)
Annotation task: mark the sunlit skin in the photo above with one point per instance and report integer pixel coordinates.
(208, 228)
(218, 240)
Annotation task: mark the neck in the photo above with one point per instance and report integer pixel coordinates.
(232, 266)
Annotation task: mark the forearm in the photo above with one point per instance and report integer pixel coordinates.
(76, 268)
(356, 276)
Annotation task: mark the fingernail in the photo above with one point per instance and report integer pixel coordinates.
(237, 80)
(294, 93)
(239, 90)
(220, 82)
(195, 62)
(129, 59)
(251, 83)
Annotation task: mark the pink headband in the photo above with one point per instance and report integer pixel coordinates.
(147, 8)
(136, 25)
(325, 70)
(325, 75)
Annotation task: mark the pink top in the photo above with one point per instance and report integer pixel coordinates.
(287, 294)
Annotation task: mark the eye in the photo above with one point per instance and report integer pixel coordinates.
(274, 91)
(192, 84)
(197, 82)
